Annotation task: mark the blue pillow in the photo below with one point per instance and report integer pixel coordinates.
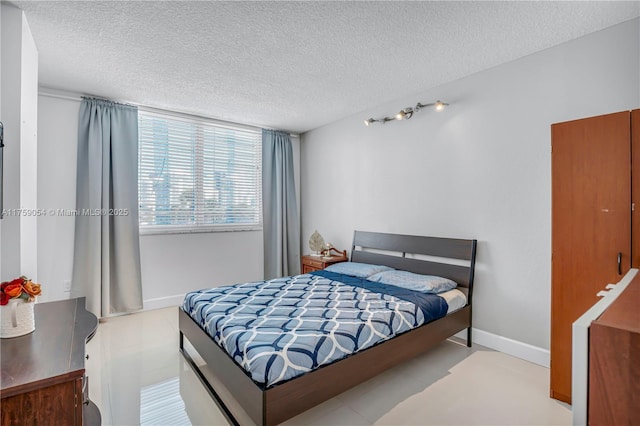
(355, 269)
(415, 282)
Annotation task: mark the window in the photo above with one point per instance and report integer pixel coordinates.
(197, 174)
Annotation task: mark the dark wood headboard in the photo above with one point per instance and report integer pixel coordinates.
(399, 246)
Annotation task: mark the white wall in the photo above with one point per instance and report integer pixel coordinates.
(480, 169)
(28, 153)
(1, 189)
(10, 96)
(172, 264)
(19, 115)
(57, 149)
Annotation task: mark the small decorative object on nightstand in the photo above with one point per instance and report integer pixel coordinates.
(313, 263)
(326, 253)
(316, 243)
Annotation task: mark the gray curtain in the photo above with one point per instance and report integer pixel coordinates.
(281, 224)
(106, 261)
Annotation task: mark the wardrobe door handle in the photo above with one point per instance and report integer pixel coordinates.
(619, 263)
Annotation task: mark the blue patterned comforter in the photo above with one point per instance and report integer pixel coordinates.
(282, 328)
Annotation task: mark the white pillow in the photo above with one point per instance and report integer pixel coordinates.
(355, 269)
(415, 282)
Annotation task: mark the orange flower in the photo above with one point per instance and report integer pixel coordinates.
(31, 288)
(13, 290)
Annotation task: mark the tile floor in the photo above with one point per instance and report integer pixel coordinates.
(138, 376)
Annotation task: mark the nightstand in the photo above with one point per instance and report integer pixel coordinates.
(314, 263)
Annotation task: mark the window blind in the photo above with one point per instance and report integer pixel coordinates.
(197, 174)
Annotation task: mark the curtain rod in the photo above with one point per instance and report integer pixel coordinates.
(50, 92)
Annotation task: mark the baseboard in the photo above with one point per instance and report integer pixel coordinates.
(163, 302)
(511, 347)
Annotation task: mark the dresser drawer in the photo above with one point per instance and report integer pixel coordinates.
(314, 263)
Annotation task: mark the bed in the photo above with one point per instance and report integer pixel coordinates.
(272, 399)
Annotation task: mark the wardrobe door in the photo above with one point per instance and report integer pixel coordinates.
(635, 188)
(591, 229)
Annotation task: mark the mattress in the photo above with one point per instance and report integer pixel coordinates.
(279, 329)
(455, 300)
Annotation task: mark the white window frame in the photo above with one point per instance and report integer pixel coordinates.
(201, 123)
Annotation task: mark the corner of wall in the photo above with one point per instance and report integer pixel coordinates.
(28, 152)
(18, 100)
(1, 195)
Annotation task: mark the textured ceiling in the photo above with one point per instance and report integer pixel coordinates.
(291, 65)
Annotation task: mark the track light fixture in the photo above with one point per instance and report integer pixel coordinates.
(407, 113)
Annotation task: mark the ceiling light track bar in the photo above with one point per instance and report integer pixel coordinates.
(407, 113)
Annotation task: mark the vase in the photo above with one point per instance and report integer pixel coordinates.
(17, 318)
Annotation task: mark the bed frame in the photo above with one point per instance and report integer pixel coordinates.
(275, 404)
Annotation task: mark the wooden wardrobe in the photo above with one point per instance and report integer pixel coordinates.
(595, 226)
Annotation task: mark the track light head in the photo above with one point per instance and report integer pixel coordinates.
(439, 106)
(405, 114)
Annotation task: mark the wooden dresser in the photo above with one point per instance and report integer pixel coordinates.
(314, 263)
(614, 361)
(43, 378)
